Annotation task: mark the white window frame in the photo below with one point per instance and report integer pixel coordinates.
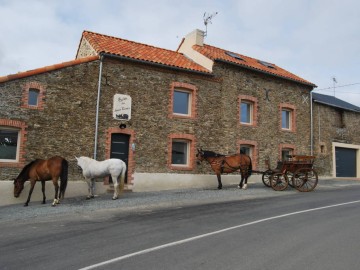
(289, 122)
(188, 114)
(17, 144)
(188, 144)
(251, 112)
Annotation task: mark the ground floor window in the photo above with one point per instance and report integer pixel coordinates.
(180, 152)
(286, 153)
(9, 142)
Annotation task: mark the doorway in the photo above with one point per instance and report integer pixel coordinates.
(120, 149)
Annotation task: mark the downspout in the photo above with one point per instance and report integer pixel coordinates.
(97, 107)
(311, 125)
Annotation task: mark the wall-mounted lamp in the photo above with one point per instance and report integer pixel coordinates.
(122, 126)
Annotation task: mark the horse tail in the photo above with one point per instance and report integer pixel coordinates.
(250, 168)
(122, 177)
(63, 177)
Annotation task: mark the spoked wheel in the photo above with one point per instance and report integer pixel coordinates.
(279, 181)
(305, 179)
(290, 176)
(266, 177)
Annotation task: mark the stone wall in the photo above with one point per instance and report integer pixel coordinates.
(332, 125)
(66, 124)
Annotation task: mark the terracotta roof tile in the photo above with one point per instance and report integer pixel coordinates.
(47, 68)
(130, 49)
(247, 62)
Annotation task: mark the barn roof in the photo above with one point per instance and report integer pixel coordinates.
(334, 102)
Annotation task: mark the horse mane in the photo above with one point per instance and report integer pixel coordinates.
(207, 153)
(24, 174)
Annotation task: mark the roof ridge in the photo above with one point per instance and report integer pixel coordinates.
(131, 41)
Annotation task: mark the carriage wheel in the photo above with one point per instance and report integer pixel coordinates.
(279, 181)
(305, 179)
(266, 177)
(290, 176)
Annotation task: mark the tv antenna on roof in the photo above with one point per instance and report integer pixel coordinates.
(207, 19)
(334, 82)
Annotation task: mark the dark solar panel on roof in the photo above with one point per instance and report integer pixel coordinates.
(266, 64)
(234, 55)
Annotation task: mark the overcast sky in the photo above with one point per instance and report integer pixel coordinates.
(317, 40)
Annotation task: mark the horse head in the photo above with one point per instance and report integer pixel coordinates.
(199, 156)
(18, 187)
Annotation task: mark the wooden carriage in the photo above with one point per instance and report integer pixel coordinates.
(297, 171)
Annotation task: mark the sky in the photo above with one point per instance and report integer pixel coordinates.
(318, 40)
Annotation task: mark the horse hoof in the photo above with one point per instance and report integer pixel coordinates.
(53, 205)
(244, 187)
(239, 187)
(219, 187)
(26, 204)
(114, 198)
(90, 197)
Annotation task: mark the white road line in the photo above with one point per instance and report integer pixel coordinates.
(210, 234)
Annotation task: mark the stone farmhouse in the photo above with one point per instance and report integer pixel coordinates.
(153, 108)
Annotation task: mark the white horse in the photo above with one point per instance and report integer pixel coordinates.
(92, 169)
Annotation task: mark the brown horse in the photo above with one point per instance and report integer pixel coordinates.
(227, 164)
(43, 170)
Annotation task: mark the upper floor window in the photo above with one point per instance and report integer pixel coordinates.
(339, 119)
(9, 141)
(287, 117)
(248, 110)
(182, 100)
(33, 98)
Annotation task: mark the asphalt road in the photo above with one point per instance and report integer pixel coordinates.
(315, 230)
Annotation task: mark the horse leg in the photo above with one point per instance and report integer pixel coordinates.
(91, 188)
(219, 180)
(33, 182)
(116, 187)
(56, 199)
(43, 191)
(241, 185)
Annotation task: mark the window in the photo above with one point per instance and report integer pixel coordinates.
(285, 153)
(9, 141)
(249, 148)
(182, 102)
(246, 109)
(33, 97)
(286, 119)
(339, 119)
(246, 149)
(180, 152)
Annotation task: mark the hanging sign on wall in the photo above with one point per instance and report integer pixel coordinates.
(122, 107)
